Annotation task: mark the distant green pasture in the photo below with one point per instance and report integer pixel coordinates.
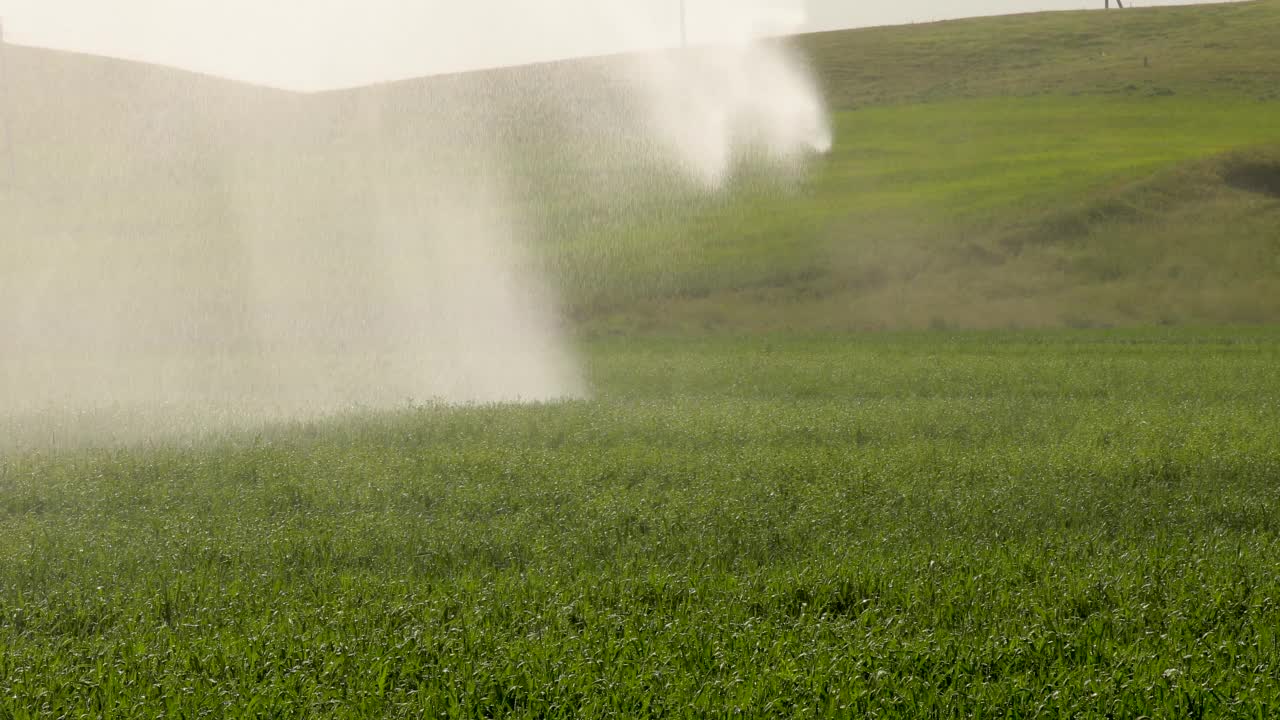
(912, 193)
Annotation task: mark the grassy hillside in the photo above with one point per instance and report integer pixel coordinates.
(1224, 50)
(985, 224)
(1081, 168)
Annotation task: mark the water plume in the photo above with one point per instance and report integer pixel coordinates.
(738, 93)
(302, 256)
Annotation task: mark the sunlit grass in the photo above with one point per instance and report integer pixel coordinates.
(753, 516)
(928, 202)
(1040, 524)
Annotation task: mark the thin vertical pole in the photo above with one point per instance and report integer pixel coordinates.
(684, 25)
(5, 127)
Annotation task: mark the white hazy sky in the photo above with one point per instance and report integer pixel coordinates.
(314, 44)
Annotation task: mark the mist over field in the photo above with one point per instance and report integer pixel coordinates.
(902, 372)
(270, 266)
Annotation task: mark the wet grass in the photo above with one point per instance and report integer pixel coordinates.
(937, 525)
(743, 522)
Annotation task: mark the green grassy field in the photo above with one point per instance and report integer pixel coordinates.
(1049, 486)
(994, 213)
(1068, 169)
(930, 525)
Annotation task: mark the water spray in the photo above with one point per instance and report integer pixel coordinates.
(6, 125)
(387, 259)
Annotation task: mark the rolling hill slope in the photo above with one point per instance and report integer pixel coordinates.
(1224, 50)
(1082, 168)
